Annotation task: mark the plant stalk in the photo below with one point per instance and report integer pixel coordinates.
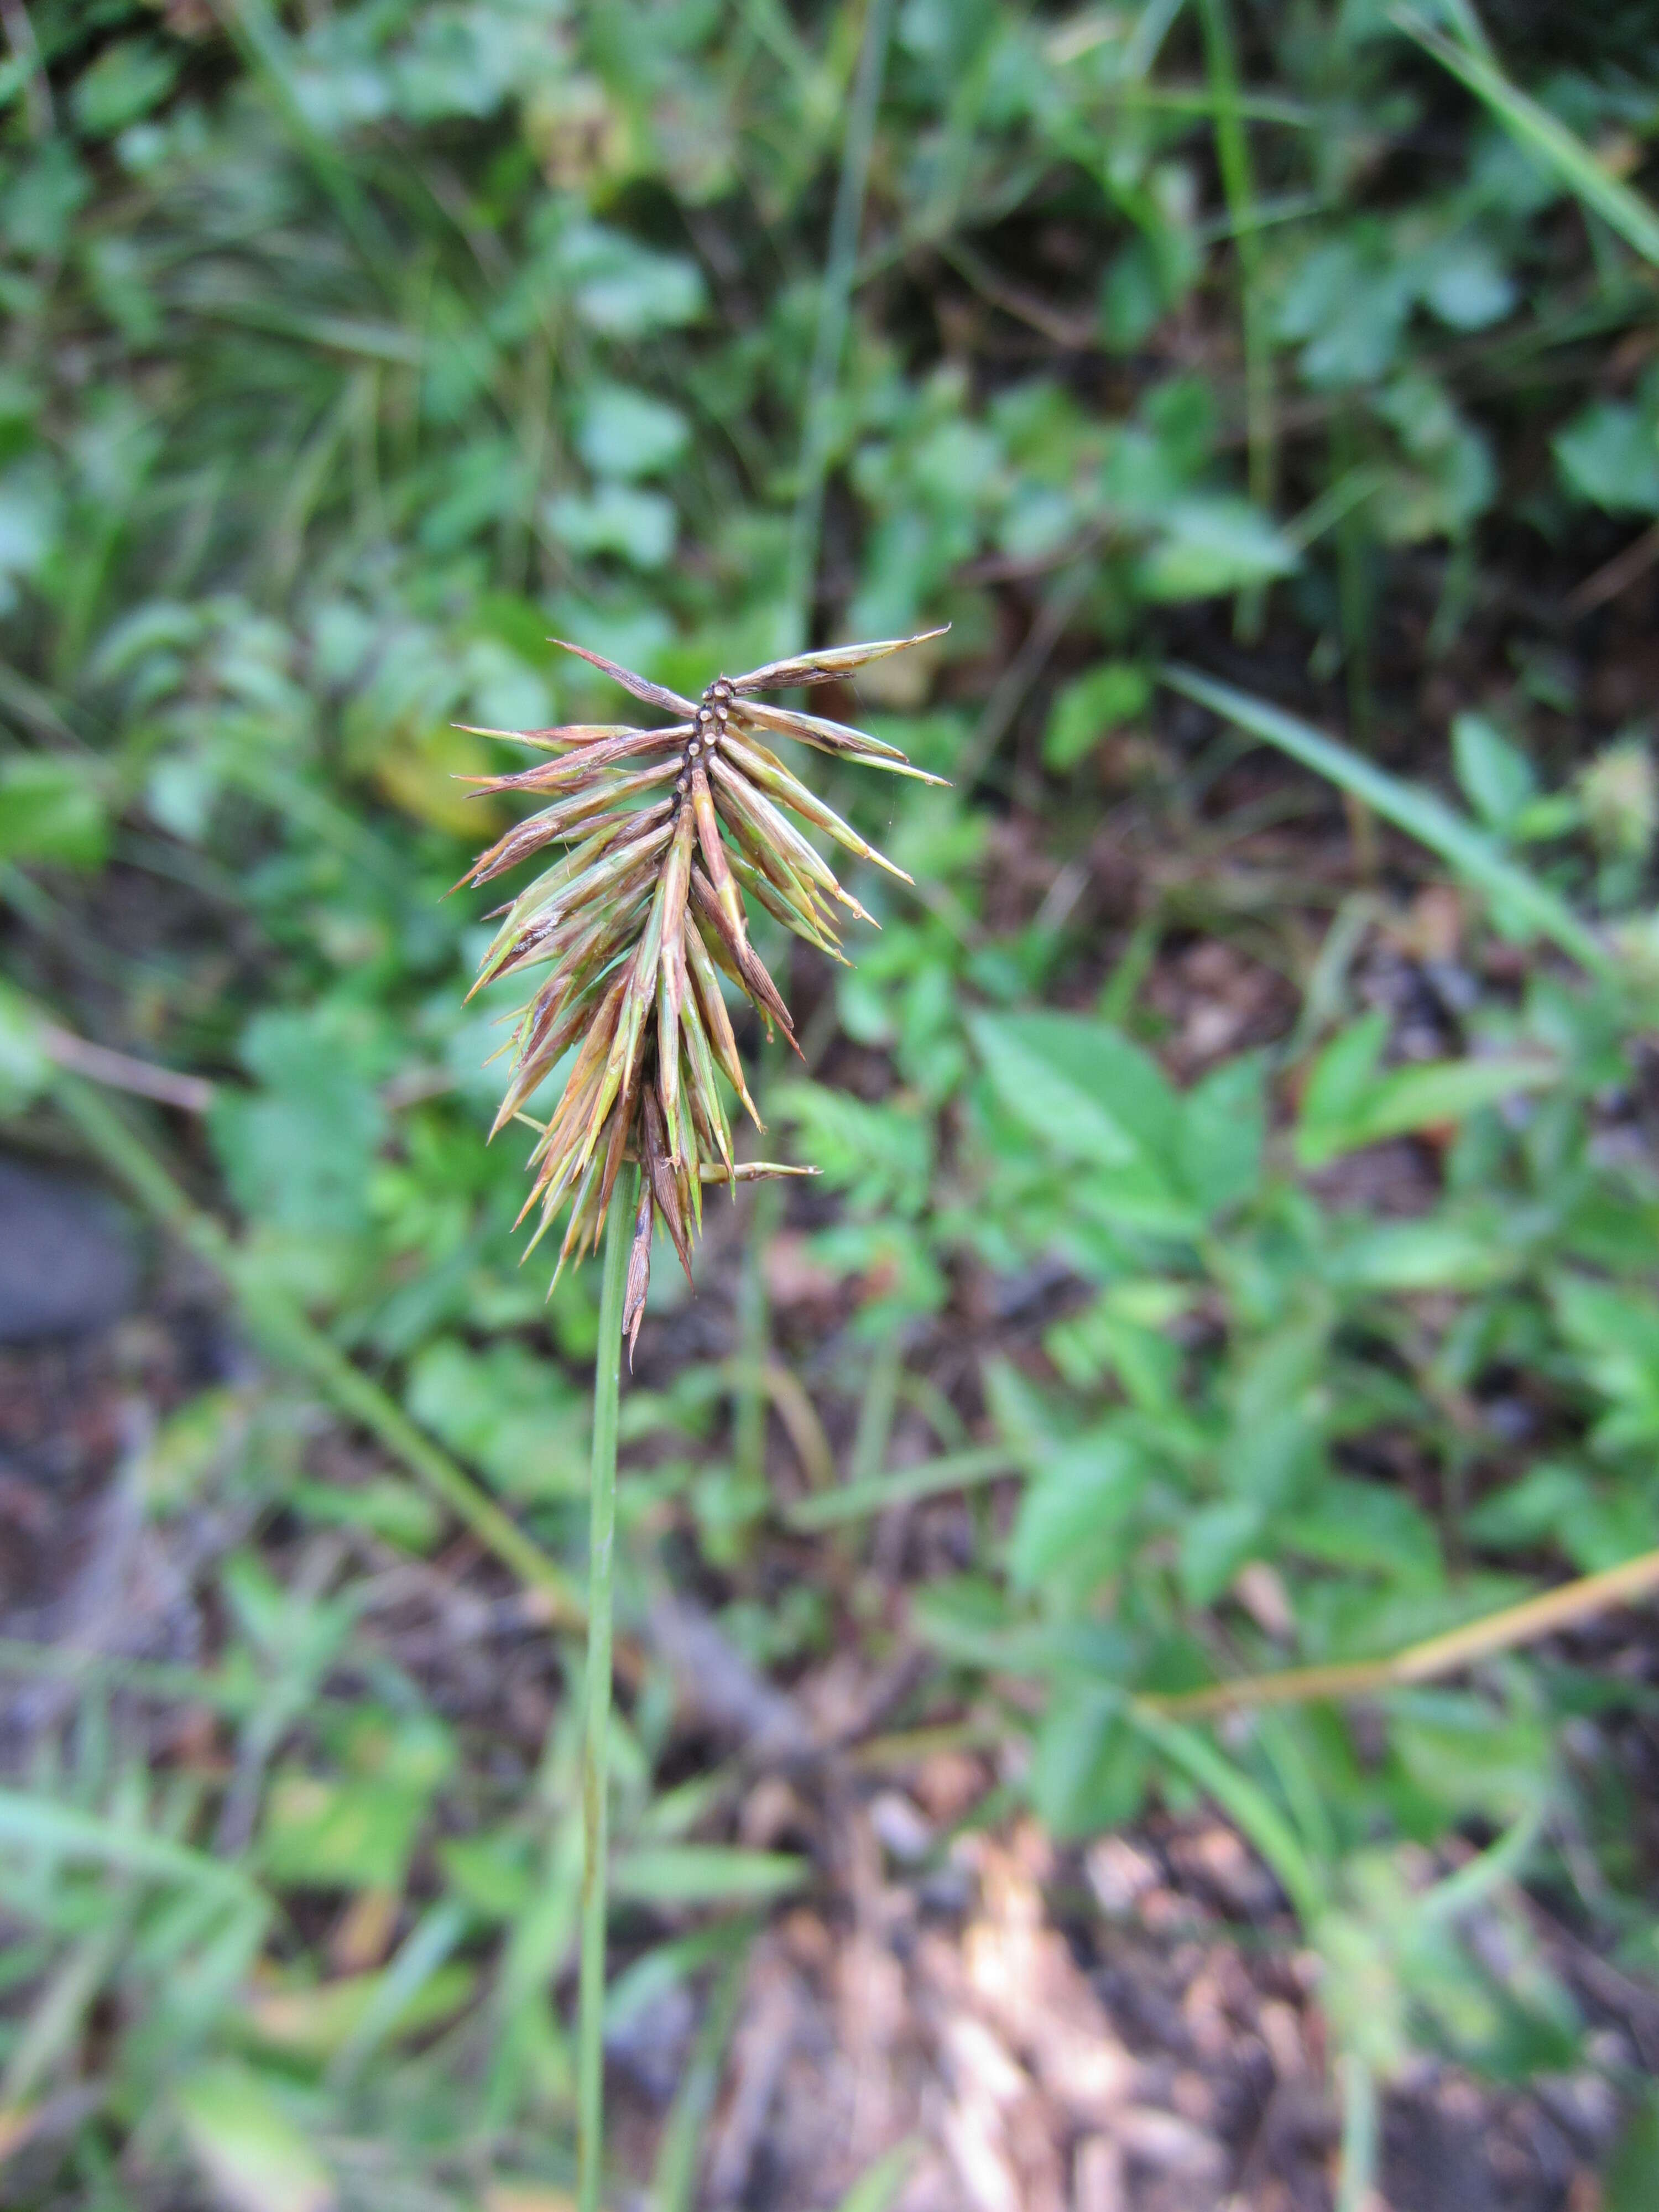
(835, 306)
(596, 1743)
(1561, 1607)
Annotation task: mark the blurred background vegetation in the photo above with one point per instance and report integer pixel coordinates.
(1236, 1245)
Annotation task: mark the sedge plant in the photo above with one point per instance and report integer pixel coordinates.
(663, 833)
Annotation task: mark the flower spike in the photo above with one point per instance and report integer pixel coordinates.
(640, 918)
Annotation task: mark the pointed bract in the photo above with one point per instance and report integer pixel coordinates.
(637, 921)
(828, 666)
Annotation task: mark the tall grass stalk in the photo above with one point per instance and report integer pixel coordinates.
(596, 1743)
(835, 306)
(1232, 147)
(663, 827)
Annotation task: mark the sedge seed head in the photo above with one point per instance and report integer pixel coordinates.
(661, 833)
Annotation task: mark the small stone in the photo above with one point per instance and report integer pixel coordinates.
(68, 1260)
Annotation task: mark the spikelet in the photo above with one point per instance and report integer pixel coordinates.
(664, 830)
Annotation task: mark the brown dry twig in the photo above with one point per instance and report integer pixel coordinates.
(1514, 1625)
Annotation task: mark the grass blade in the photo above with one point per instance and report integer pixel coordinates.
(1539, 131)
(1421, 814)
(835, 306)
(1244, 1801)
(674, 2185)
(879, 2185)
(855, 1500)
(32, 1823)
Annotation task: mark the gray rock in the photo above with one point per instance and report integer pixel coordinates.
(69, 1259)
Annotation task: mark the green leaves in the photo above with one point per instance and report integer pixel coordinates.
(622, 289)
(52, 810)
(357, 1829)
(675, 1875)
(515, 1416)
(1610, 454)
(1615, 1330)
(622, 432)
(1070, 1535)
(1498, 779)
(129, 78)
(1091, 708)
(1351, 1100)
(356, 351)
(1211, 544)
(254, 2150)
(300, 1151)
(1086, 1095)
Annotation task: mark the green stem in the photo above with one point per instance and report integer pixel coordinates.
(754, 1338)
(1357, 2167)
(596, 1745)
(835, 304)
(1239, 183)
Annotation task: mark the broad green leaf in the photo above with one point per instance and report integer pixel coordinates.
(128, 79)
(387, 1508)
(1080, 1087)
(1224, 1126)
(514, 1414)
(1216, 1541)
(1362, 1524)
(313, 2021)
(623, 289)
(25, 1069)
(1418, 1256)
(1468, 287)
(300, 1151)
(1471, 1759)
(1069, 1529)
(1533, 1509)
(1209, 546)
(1401, 1099)
(1614, 1329)
(1090, 706)
(356, 1833)
(1610, 454)
(255, 2156)
(494, 1872)
(624, 432)
(1497, 777)
(617, 518)
(50, 810)
(1090, 1767)
(1595, 1525)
